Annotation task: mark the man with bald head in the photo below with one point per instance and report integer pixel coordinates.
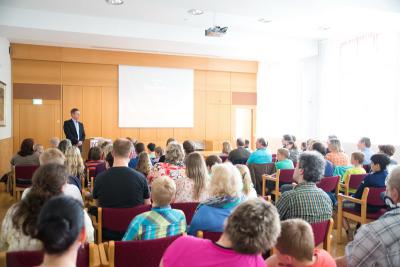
(378, 243)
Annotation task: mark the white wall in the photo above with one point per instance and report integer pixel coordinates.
(5, 76)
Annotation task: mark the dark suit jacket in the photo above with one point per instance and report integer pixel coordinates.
(70, 131)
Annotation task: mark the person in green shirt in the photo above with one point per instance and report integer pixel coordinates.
(357, 159)
(283, 161)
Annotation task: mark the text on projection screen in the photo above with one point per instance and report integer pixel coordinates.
(155, 97)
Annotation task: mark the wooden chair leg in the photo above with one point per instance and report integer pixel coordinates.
(339, 222)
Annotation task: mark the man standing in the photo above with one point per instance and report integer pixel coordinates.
(73, 129)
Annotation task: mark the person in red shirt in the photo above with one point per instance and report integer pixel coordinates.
(295, 247)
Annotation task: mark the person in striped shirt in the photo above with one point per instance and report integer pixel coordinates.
(162, 220)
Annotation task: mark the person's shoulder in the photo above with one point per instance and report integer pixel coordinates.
(178, 212)
(324, 259)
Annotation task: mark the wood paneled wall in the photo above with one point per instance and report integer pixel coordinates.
(89, 80)
(6, 148)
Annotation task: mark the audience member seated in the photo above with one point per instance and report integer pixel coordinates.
(109, 160)
(389, 151)
(211, 161)
(26, 155)
(226, 149)
(64, 144)
(306, 201)
(139, 148)
(247, 144)
(169, 140)
(248, 191)
(188, 147)
(336, 154)
(106, 148)
(319, 147)
(144, 165)
(283, 162)
(364, 145)
(377, 243)
(262, 155)
(38, 148)
(158, 152)
(295, 247)
(162, 220)
(293, 150)
(151, 147)
(75, 166)
(61, 230)
(225, 190)
(193, 186)
(54, 141)
(240, 155)
(19, 224)
(285, 140)
(357, 159)
(173, 166)
(94, 157)
(249, 231)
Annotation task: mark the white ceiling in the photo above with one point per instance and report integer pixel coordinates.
(164, 26)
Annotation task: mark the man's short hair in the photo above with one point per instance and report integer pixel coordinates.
(188, 146)
(163, 190)
(54, 141)
(393, 180)
(246, 142)
(284, 152)
(139, 148)
(313, 165)
(387, 149)
(239, 142)
(366, 141)
(151, 147)
(358, 156)
(122, 147)
(253, 227)
(52, 155)
(262, 141)
(381, 159)
(212, 160)
(74, 110)
(296, 240)
(318, 146)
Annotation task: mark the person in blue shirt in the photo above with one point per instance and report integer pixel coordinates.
(262, 155)
(329, 168)
(364, 145)
(139, 148)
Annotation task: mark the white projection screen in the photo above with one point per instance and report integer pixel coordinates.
(155, 97)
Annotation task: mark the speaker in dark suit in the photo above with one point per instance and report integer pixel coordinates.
(74, 129)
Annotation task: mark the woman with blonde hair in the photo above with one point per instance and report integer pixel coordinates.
(226, 148)
(248, 188)
(192, 187)
(336, 154)
(74, 165)
(144, 164)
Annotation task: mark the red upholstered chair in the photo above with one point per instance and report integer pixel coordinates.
(329, 184)
(87, 256)
(137, 253)
(274, 158)
(370, 196)
(353, 182)
(257, 171)
(22, 178)
(223, 157)
(213, 236)
(116, 219)
(323, 233)
(281, 177)
(189, 208)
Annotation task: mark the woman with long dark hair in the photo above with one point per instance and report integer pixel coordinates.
(26, 155)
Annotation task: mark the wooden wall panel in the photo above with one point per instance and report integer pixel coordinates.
(129, 132)
(218, 81)
(72, 97)
(92, 111)
(243, 82)
(109, 112)
(89, 74)
(6, 148)
(15, 132)
(36, 72)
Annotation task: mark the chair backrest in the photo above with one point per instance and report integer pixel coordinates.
(329, 184)
(188, 208)
(223, 157)
(355, 180)
(285, 176)
(367, 167)
(213, 236)
(374, 196)
(116, 219)
(257, 171)
(273, 157)
(140, 253)
(24, 174)
(320, 230)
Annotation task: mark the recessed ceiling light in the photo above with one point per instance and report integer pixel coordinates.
(115, 2)
(264, 20)
(195, 12)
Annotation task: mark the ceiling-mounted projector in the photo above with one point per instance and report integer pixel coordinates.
(216, 31)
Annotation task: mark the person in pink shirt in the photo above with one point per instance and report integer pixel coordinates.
(251, 229)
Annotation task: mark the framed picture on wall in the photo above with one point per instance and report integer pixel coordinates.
(2, 104)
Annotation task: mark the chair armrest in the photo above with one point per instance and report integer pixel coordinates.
(342, 197)
(103, 252)
(269, 178)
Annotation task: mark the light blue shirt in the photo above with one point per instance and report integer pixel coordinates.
(76, 127)
(367, 155)
(260, 156)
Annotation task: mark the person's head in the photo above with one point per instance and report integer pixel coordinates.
(74, 162)
(310, 142)
(332, 136)
(75, 114)
(246, 143)
(291, 145)
(389, 150)
(310, 167)
(38, 148)
(253, 227)
(174, 153)
(158, 151)
(163, 190)
(26, 148)
(64, 144)
(393, 185)
(106, 149)
(54, 141)
(364, 142)
(109, 160)
(170, 140)
(151, 147)
(357, 158)
(197, 171)
(379, 162)
(239, 142)
(52, 155)
(60, 226)
(282, 154)
(143, 164)
(296, 242)
(261, 143)
(319, 147)
(122, 148)
(285, 139)
(139, 148)
(225, 181)
(335, 145)
(303, 146)
(94, 153)
(188, 146)
(212, 160)
(226, 147)
(47, 181)
(246, 178)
